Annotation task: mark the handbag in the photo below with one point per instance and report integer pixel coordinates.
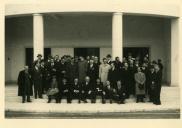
(52, 91)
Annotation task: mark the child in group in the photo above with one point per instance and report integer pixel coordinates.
(53, 90)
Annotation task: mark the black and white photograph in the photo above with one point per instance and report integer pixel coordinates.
(83, 59)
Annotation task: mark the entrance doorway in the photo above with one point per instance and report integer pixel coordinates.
(136, 52)
(29, 55)
(87, 52)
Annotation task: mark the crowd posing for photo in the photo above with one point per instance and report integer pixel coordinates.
(86, 78)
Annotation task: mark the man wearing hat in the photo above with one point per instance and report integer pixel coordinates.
(38, 60)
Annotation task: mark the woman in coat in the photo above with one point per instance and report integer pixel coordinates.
(140, 85)
(103, 71)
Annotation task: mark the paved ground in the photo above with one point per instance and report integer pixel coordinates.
(40, 109)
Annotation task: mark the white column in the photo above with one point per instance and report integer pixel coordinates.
(175, 50)
(38, 35)
(117, 35)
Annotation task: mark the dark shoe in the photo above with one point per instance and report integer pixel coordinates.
(79, 101)
(29, 101)
(40, 97)
(23, 101)
(156, 103)
(122, 102)
(103, 101)
(93, 101)
(110, 101)
(68, 102)
(85, 101)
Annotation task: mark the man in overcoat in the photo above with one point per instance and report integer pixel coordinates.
(25, 85)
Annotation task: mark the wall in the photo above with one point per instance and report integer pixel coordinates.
(81, 30)
(62, 51)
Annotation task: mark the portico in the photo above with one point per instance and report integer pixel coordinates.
(109, 29)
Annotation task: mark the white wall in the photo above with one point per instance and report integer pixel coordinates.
(65, 32)
(104, 52)
(62, 51)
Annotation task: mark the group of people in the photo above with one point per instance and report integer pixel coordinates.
(86, 78)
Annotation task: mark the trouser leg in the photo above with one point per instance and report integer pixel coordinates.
(23, 98)
(137, 98)
(40, 90)
(68, 96)
(93, 97)
(35, 91)
(28, 98)
(49, 99)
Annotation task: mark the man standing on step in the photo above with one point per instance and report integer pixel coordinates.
(25, 85)
(37, 81)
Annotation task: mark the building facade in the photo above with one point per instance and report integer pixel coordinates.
(94, 27)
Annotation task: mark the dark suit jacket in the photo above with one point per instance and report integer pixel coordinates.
(114, 76)
(92, 72)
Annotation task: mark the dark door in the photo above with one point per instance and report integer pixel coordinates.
(47, 52)
(86, 52)
(136, 51)
(29, 55)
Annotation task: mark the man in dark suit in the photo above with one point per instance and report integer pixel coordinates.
(151, 83)
(121, 92)
(37, 80)
(97, 65)
(114, 74)
(111, 92)
(72, 70)
(131, 80)
(117, 63)
(88, 90)
(76, 90)
(100, 90)
(157, 89)
(61, 71)
(92, 71)
(38, 60)
(125, 79)
(25, 85)
(64, 90)
(109, 59)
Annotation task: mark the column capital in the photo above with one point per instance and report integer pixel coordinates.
(117, 13)
(37, 14)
